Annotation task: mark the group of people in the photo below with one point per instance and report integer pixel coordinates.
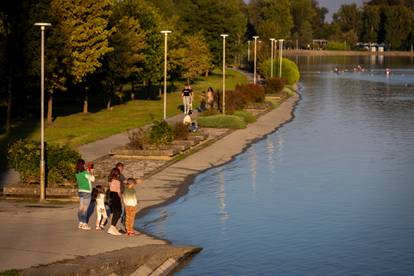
(359, 68)
(208, 100)
(119, 199)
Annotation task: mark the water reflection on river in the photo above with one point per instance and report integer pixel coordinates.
(328, 194)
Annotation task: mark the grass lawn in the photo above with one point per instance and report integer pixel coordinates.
(79, 128)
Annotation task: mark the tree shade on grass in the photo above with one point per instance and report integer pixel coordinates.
(79, 128)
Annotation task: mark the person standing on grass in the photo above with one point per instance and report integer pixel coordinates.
(187, 95)
(210, 98)
(115, 200)
(84, 180)
(131, 203)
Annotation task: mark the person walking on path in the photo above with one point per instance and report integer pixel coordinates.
(131, 203)
(84, 180)
(187, 95)
(115, 200)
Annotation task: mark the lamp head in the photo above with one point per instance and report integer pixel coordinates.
(224, 35)
(42, 24)
(165, 32)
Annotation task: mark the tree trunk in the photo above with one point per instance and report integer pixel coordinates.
(85, 102)
(9, 107)
(132, 91)
(108, 103)
(49, 109)
(121, 98)
(206, 75)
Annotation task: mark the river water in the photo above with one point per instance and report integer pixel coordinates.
(330, 193)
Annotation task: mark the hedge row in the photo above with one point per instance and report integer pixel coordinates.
(290, 71)
(24, 157)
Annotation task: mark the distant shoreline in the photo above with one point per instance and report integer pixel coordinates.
(346, 53)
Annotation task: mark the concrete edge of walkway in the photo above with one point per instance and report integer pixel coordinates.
(137, 261)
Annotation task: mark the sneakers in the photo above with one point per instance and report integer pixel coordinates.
(83, 226)
(113, 231)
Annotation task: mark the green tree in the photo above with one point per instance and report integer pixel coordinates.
(127, 42)
(347, 22)
(151, 23)
(271, 18)
(84, 23)
(399, 21)
(371, 23)
(198, 59)
(212, 18)
(320, 28)
(303, 13)
(10, 55)
(55, 52)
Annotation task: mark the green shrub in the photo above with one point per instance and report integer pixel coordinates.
(181, 131)
(247, 116)
(290, 71)
(274, 85)
(11, 272)
(337, 46)
(24, 157)
(221, 121)
(161, 133)
(138, 138)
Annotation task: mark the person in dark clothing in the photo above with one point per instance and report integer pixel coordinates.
(187, 95)
(115, 200)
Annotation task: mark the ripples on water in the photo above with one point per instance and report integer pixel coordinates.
(328, 194)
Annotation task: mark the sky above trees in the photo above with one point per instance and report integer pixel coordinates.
(333, 6)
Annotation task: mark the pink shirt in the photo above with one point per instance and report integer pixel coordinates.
(115, 186)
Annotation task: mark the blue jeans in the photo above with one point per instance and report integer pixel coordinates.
(84, 201)
(90, 210)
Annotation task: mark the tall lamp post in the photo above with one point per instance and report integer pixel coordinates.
(224, 72)
(42, 107)
(254, 63)
(272, 40)
(280, 56)
(165, 71)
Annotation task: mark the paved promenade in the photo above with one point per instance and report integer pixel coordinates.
(33, 234)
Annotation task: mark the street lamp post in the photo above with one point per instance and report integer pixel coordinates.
(42, 112)
(224, 72)
(165, 71)
(254, 62)
(272, 40)
(248, 51)
(280, 56)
